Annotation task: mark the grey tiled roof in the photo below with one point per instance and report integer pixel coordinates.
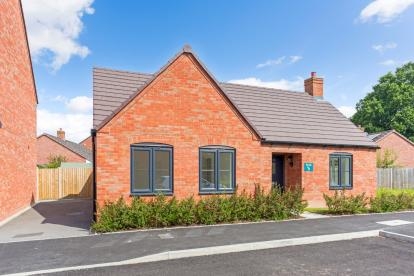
(379, 135)
(111, 88)
(76, 148)
(278, 115)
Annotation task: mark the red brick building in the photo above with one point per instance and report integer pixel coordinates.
(87, 143)
(49, 146)
(398, 144)
(18, 102)
(181, 132)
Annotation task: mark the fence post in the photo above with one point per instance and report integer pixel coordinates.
(37, 184)
(60, 191)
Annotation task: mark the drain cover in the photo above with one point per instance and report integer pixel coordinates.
(166, 236)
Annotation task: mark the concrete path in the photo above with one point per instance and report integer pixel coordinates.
(99, 250)
(50, 220)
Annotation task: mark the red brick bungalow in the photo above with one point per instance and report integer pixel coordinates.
(181, 132)
(49, 145)
(397, 143)
(18, 102)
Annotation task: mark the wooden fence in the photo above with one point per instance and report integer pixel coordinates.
(397, 178)
(64, 183)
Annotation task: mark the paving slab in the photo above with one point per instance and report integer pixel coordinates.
(50, 220)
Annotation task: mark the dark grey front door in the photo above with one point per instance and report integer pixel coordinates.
(278, 171)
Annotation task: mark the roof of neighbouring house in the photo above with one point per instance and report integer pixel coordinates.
(376, 137)
(79, 149)
(277, 115)
(379, 135)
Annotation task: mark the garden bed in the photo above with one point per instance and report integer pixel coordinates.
(166, 212)
(386, 200)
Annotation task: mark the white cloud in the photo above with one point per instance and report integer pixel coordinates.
(271, 62)
(381, 48)
(53, 29)
(348, 111)
(388, 62)
(77, 126)
(296, 85)
(384, 10)
(81, 104)
(294, 59)
(59, 98)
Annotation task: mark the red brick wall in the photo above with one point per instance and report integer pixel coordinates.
(17, 114)
(46, 147)
(184, 109)
(87, 143)
(403, 149)
(317, 182)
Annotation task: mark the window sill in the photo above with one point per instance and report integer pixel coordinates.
(229, 192)
(150, 194)
(340, 188)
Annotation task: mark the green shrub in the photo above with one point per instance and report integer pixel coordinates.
(389, 200)
(340, 203)
(162, 212)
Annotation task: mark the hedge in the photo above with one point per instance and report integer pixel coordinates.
(163, 212)
(386, 200)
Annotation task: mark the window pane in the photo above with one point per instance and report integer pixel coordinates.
(346, 171)
(141, 170)
(207, 170)
(226, 167)
(162, 172)
(334, 171)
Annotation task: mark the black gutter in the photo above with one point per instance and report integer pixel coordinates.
(267, 142)
(93, 134)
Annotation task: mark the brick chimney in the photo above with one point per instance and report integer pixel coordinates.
(314, 86)
(61, 134)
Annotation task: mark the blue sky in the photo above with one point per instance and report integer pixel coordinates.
(270, 43)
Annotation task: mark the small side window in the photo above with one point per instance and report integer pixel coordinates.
(340, 171)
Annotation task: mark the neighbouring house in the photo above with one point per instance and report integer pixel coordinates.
(49, 146)
(398, 144)
(87, 143)
(18, 101)
(181, 132)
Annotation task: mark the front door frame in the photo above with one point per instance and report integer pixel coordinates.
(278, 175)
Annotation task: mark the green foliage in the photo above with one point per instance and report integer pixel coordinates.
(54, 162)
(162, 212)
(389, 200)
(386, 159)
(386, 200)
(340, 203)
(390, 105)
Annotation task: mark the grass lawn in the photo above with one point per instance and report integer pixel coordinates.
(381, 191)
(321, 211)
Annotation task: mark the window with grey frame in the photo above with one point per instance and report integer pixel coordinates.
(217, 170)
(340, 171)
(151, 169)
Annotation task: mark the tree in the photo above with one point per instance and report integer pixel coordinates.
(54, 162)
(390, 105)
(386, 159)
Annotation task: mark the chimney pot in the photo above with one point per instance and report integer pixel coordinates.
(61, 134)
(314, 86)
